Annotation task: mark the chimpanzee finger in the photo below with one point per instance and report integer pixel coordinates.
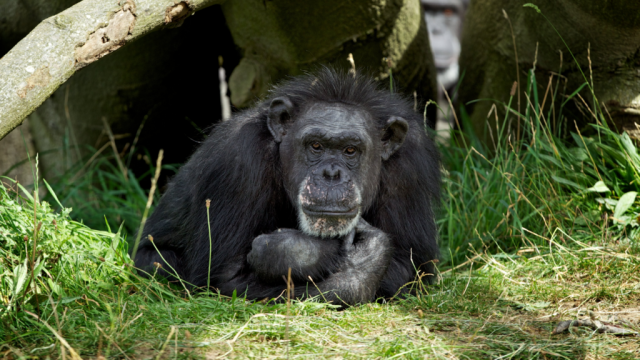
(363, 225)
(347, 244)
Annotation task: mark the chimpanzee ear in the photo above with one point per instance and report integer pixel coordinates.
(394, 134)
(279, 113)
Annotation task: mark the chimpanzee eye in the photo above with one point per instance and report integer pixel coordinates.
(350, 150)
(316, 146)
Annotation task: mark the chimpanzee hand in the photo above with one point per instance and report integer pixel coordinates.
(273, 254)
(362, 269)
(368, 247)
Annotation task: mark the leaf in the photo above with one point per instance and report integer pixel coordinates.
(25, 192)
(38, 268)
(530, 5)
(610, 204)
(628, 145)
(530, 306)
(56, 288)
(588, 218)
(20, 278)
(630, 148)
(551, 159)
(567, 182)
(537, 305)
(105, 285)
(623, 220)
(575, 92)
(67, 300)
(579, 153)
(599, 187)
(52, 193)
(624, 203)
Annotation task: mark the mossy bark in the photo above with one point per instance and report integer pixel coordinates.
(611, 30)
(17, 19)
(282, 38)
(168, 79)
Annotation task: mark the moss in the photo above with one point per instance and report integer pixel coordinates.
(288, 37)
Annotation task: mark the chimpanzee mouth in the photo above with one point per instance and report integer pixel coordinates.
(328, 223)
(320, 213)
(328, 212)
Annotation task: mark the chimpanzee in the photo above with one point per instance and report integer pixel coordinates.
(332, 176)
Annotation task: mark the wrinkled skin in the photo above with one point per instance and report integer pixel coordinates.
(331, 156)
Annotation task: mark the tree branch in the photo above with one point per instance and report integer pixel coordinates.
(62, 44)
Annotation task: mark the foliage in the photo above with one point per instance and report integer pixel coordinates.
(86, 294)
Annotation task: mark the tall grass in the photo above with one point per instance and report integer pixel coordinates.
(548, 184)
(102, 194)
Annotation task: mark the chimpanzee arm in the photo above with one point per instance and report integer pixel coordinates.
(273, 254)
(364, 266)
(343, 271)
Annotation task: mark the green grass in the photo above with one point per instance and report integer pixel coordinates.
(533, 231)
(525, 192)
(100, 194)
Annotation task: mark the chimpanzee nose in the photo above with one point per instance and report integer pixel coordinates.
(331, 172)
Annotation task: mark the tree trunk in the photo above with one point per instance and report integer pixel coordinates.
(168, 79)
(288, 37)
(611, 29)
(15, 150)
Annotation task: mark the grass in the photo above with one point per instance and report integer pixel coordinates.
(533, 231)
(100, 193)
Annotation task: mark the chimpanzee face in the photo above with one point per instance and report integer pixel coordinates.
(331, 157)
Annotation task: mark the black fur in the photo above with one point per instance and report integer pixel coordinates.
(238, 167)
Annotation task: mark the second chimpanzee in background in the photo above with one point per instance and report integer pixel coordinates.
(331, 176)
